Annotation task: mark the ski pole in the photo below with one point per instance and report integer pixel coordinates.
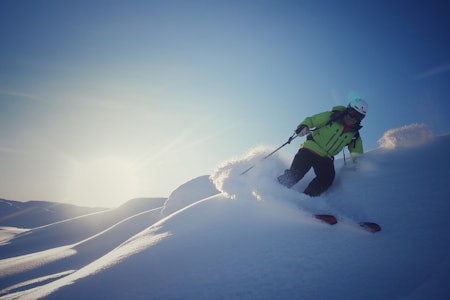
(288, 142)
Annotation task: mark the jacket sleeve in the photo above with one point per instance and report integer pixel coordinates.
(317, 120)
(356, 147)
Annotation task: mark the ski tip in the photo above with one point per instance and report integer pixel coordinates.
(370, 226)
(329, 219)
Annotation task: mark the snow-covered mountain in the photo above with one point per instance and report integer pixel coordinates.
(36, 213)
(229, 236)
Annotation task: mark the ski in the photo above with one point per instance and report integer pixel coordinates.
(370, 226)
(332, 220)
(329, 219)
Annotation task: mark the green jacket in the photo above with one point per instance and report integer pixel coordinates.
(329, 138)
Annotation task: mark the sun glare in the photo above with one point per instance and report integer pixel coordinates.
(106, 182)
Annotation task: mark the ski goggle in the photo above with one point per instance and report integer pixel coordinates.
(354, 114)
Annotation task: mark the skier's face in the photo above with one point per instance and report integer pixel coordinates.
(353, 117)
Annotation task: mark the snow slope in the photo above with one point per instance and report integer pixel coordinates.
(256, 240)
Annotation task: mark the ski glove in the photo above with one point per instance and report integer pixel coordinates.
(302, 130)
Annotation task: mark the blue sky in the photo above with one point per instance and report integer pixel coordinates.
(103, 101)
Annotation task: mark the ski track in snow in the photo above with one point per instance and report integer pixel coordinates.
(257, 240)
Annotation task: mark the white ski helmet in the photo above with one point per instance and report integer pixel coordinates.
(359, 105)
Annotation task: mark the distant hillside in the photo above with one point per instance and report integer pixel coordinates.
(37, 213)
(33, 214)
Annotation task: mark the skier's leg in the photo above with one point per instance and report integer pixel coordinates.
(325, 173)
(300, 166)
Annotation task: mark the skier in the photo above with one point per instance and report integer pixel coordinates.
(327, 134)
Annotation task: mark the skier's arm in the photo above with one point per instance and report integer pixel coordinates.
(356, 149)
(317, 120)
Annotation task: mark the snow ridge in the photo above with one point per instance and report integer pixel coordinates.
(406, 136)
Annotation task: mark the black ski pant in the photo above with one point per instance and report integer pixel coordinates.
(303, 161)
